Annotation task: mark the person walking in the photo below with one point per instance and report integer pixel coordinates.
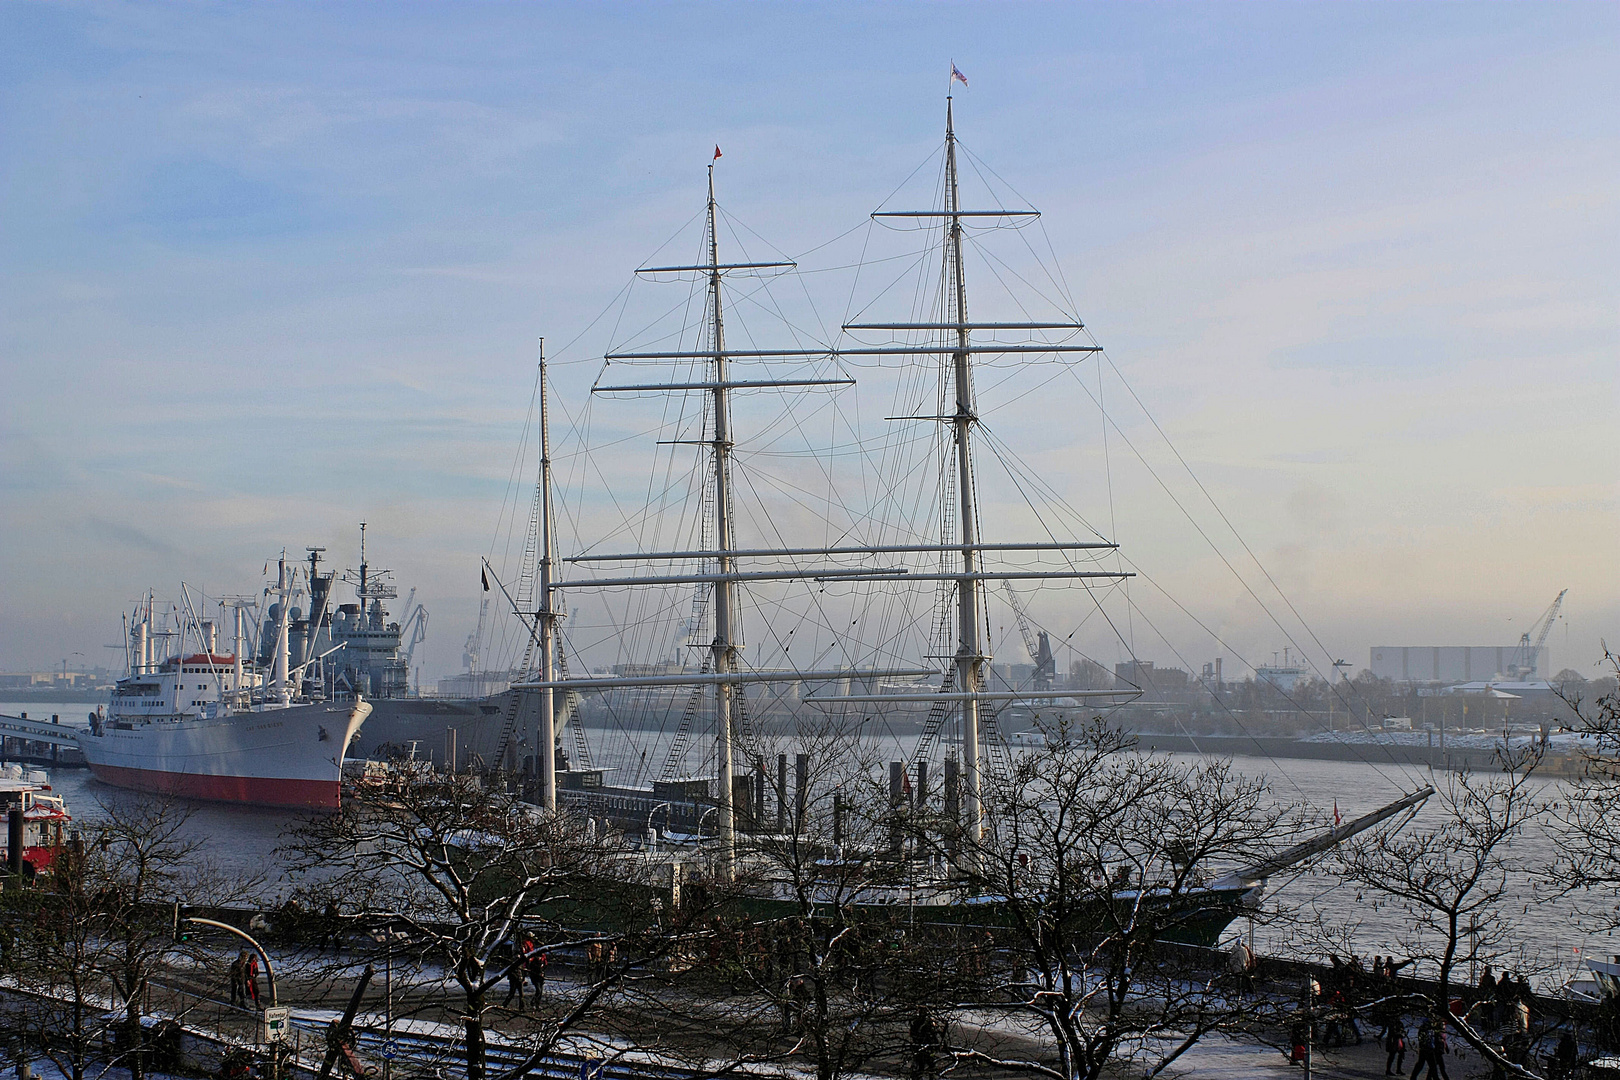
(237, 995)
(593, 960)
(250, 977)
(924, 1038)
(1561, 1066)
(1431, 1051)
(1425, 1050)
(514, 982)
(1438, 1068)
(1506, 992)
(1241, 963)
(537, 970)
(1394, 1040)
(792, 996)
(331, 927)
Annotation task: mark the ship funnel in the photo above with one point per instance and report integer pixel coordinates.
(143, 648)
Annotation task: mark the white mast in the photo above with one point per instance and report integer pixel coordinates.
(548, 617)
(961, 414)
(143, 638)
(969, 651)
(236, 648)
(724, 646)
(283, 592)
(725, 676)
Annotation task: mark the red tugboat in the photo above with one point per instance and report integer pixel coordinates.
(45, 818)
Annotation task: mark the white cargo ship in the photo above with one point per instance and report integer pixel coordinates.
(204, 725)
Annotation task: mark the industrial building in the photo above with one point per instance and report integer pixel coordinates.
(1527, 660)
(1454, 663)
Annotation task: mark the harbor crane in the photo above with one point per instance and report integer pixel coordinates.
(1039, 646)
(1530, 653)
(413, 628)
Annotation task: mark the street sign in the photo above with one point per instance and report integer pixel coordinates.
(277, 1024)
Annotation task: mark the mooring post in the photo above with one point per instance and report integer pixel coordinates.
(781, 794)
(801, 790)
(14, 841)
(759, 789)
(896, 801)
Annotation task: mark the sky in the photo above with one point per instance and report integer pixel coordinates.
(270, 270)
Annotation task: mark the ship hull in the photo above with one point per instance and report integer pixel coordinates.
(396, 723)
(290, 758)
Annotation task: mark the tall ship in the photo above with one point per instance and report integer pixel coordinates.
(267, 729)
(867, 592)
(873, 618)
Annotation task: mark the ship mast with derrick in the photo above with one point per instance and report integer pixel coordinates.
(960, 561)
(721, 564)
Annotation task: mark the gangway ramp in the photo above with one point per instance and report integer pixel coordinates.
(39, 730)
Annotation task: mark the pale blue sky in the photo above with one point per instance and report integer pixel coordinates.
(267, 270)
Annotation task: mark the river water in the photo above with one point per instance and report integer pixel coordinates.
(246, 839)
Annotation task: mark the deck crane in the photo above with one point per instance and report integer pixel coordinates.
(1530, 654)
(413, 628)
(1038, 646)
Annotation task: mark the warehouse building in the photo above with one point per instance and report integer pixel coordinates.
(1455, 663)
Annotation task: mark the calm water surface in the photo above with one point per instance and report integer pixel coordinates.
(246, 839)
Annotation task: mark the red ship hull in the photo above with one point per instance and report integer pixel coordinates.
(289, 758)
(257, 790)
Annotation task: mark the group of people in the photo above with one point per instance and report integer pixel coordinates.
(1431, 1048)
(1353, 972)
(529, 963)
(245, 979)
(1503, 997)
(1348, 981)
(1385, 967)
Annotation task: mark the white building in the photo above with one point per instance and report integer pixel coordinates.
(1453, 663)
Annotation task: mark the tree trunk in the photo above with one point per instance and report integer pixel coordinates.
(475, 1036)
(80, 1043)
(136, 1038)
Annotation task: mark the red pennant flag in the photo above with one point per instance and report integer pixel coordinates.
(1337, 821)
(716, 152)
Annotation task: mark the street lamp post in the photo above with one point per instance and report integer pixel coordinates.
(385, 937)
(650, 813)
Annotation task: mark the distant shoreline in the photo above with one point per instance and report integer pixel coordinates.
(1557, 762)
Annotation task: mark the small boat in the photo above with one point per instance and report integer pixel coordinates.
(44, 817)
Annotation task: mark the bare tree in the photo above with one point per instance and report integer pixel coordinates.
(99, 929)
(1452, 879)
(56, 954)
(1094, 862)
(821, 959)
(1588, 822)
(461, 875)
